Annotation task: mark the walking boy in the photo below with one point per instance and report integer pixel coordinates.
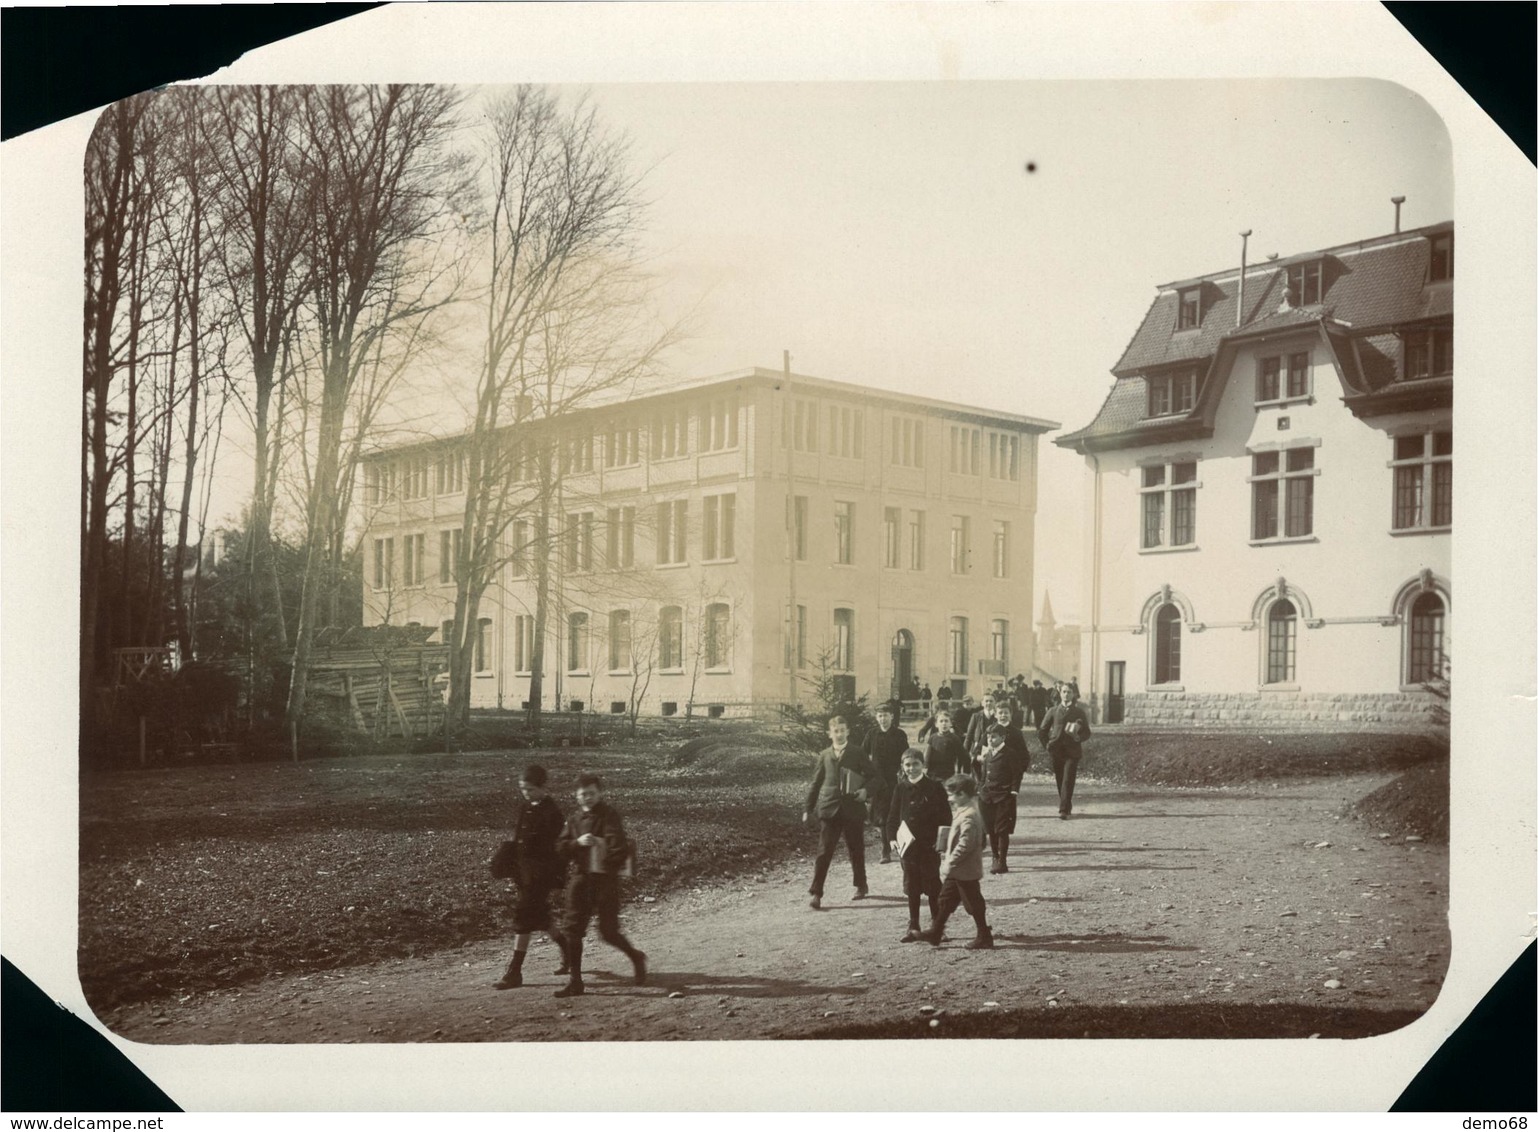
(884, 749)
(1063, 732)
(1004, 764)
(919, 802)
(837, 796)
(961, 872)
(594, 840)
(537, 825)
(946, 755)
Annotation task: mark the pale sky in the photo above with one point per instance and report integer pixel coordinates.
(890, 234)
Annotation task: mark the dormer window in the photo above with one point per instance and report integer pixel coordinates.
(1305, 283)
(1190, 316)
(1428, 353)
(1441, 257)
(1169, 394)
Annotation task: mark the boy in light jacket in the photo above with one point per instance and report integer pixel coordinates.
(961, 870)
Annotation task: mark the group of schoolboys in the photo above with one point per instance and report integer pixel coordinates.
(592, 844)
(968, 786)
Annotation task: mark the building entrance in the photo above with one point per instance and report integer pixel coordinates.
(902, 662)
(1115, 690)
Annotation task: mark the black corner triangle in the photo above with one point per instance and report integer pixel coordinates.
(1490, 1063)
(51, 1061)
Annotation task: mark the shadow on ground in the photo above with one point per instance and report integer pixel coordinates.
(1205, 1020)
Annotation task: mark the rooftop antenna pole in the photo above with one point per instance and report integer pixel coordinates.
(792, 625)
(1397, 202)
(1244, 252)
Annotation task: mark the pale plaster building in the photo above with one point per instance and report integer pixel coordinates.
(714, 542)
(1269, 495)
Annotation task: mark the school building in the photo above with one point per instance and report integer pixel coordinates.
(1269, 495)
(720, 544)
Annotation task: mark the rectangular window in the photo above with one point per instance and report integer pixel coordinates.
(384, 563)
(797, 523)
(1423, 481)
(379, 483)
(1000, 549)
(892, 518)
(1282, 494)
(523, 644)
(1190, 315)
(959, 646)
(1298, 384)
(451, 544)
(961, 544)
(845, 432)
(622, 447)
(414, 478)
(1305, 283)
(1268, 380)
(619, 640)
(907, 447)
(520, 561)
(1428, 353)
(620, 538)
(1171, 393)
(577, 454)
(1003, 456)
(915, 540)
(795, 636)
(672, 532)
(843, 532)
(720, 527)
(998, 642)
(1159, 397)
(801, 426)
(416, 559)
(966, 450)
(1441, 257)
(670, 637)
(579, 541)
(718, 424)
(1169, 504)
(670, 434)
(449, 474)
(843, 640)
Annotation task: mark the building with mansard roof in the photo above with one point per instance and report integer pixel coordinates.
(719, 544)
(1269, 495)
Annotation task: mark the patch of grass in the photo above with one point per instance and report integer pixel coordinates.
(1207, 759)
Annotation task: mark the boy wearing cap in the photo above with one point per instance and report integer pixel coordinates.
(884, 749)
(537, 823)
(594, 841)
(961, 871)
(919, 802)
(1004, 765)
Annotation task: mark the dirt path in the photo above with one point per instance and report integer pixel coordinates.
(1146, 898)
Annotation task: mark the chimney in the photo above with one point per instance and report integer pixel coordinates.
(1397, 202)
(1244, 252)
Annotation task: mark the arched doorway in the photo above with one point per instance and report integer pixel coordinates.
(902, 662)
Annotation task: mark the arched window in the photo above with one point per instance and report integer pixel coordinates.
(1428, 620)
(576, 642)
(1281, 643)
(718, 635)
(1167, 645)
(619, 640)
(670, 636)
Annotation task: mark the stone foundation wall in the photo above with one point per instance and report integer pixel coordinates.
(1289, 711)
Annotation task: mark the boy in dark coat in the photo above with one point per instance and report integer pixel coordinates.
(946, 755)
(594, 841)
(837, 796)
(1004, 765)
(1063, 732)
(919, 802)
(537, 824)
(884, 749)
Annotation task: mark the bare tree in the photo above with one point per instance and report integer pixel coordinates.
(388, 193)
(566, 322)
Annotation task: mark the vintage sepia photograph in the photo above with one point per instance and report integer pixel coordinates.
(729, 560)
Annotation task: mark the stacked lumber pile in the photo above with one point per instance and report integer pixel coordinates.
(382, 677)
